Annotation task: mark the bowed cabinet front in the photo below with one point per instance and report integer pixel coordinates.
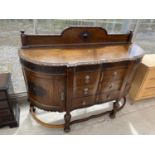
(82, 67)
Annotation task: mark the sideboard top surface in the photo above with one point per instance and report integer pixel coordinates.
(78, 46)
(81, 55)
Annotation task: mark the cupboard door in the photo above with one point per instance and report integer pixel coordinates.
(46, 90)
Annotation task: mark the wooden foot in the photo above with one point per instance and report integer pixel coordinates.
(32, 108)
(67, 129)
(14, 125)
(112, 115)
(67, 118)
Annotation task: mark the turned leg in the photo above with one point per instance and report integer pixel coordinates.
(32, 107)
(113, 112)
(67, 119)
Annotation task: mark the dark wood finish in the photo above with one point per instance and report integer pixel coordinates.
(46, 90)
(9, 110)
(75, 36)
(81, 67)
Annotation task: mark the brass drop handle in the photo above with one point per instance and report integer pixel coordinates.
(114, 74)
(87, 78)
(84, 103)
(62, 96)
(85, 91)
(110, 86)
(108, 96)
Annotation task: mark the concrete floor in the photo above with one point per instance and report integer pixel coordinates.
(134, 119)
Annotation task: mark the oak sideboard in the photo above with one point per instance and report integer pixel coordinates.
(81, 67)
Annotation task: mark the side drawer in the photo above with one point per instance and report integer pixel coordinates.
(114, 74)
(3, 104)
(111, 86)
(108, 96)
(2, 95)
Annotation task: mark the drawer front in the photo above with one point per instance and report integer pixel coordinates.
(111, 86)
(83, 102)
(3, 104)
(148, 92)
(84, 91)
(2, 95)
(4, 112)
(149, 83)
(151, 74)
(108, 96)
(86, 78)
(114, 74)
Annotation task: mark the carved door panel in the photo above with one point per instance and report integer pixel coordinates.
(46, 90)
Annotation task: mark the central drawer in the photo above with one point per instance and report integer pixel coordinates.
(86, 78)
(84, 91)
(83, 102)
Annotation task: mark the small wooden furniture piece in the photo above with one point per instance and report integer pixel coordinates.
(143, 85)
(81, 67)
(9, 110)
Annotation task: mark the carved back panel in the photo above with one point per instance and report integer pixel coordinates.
(75, 36)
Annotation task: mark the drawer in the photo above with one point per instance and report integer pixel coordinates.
(2, 95)
(148, 92)
(111, 86)
(108, 96)
(83, 102)
(149, 83)
(114, 74)
(85, 91)
(151, 74)
(3, 104)
(86, 78)
(4, 112)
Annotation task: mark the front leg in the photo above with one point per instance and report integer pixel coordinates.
(115, 107)
(67, 119)
(32, 108)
